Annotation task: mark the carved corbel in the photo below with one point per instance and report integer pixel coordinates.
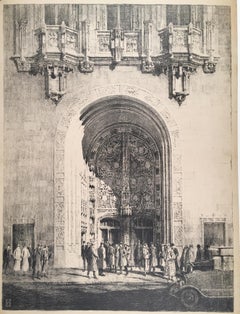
(86, 66)
(117, 38)
(148, 66)
(209, 66)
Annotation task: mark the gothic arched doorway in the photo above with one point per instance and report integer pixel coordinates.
(127, 147)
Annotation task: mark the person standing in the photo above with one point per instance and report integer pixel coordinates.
(145, 258)
(106, 245)
(92, 261)
(111, 256)
(116, 257)
(83, 254)
(123, 258)
(137, 254)
(153, 262)
(207, 253)
(162, 258)
(170, 264)
(17, 254)
(176, 253)
(37, 262)
(199, 254)
(127, 257)
(45, 259)
(101, 259)
(183, 261)
(6, 258)
(30, 259)
(25, 257)
(190, 258)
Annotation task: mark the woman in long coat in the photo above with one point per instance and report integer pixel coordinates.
(101, 259)
(111, 252)
(170, 264)
(183, 261)
(25, 257)
(153, 262)
(17, 254)
(92, 260)
(190, 258)
(122, 257)
(37, 262)
(116, 257)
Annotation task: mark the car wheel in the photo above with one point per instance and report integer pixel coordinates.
(189, 297)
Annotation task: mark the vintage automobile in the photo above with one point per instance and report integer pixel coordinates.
(190, 288)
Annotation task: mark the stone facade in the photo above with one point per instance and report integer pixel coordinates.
(46, 178)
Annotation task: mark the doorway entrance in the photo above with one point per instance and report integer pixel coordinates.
(110, 230)
(23, 234)
(143, 228)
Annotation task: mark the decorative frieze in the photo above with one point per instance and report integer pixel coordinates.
(175, 51)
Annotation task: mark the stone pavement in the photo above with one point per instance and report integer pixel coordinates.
(78, 276)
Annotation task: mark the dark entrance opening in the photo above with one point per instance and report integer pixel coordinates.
(110, 230)
(23, 234)
(143, 228)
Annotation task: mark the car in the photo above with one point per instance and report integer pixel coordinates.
(190, 288)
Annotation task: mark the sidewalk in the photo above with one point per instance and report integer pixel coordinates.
(77, 276)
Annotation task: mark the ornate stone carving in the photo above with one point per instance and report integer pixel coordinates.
(23, 64)
(59, 213)
(52, 39)
(59, 235)
(59, 187)
(86, 66)
(71, 40)
(131, 44)
(209, 67)
(177, 185)
(177, 209)
(148, 66)
(117, 38)
(181, 53)
(104, 43)
(178, 235)
(180, 40)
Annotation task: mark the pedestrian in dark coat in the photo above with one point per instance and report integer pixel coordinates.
(111, 252)
(199, 254)
(45, 259)
(92, 260)
(37, 262)
(101, 259)
(183, 260)
(7, 258)
(83, 254)
(30, 259)
(138, 254)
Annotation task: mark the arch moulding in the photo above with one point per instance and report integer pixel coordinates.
(70, 110)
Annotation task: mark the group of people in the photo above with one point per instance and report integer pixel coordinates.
(117, 257)
(27, 259)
